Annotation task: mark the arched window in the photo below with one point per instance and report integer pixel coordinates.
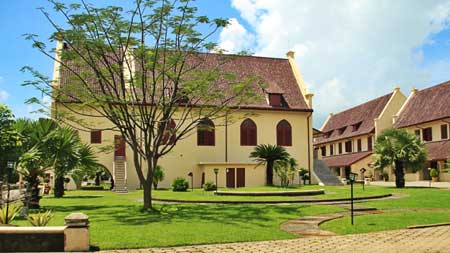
(248, 133)
(169, 133)
(284, 133)
(205, 133)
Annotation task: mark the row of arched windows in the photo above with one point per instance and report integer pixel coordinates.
(248, 133)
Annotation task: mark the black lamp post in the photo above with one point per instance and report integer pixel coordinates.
(352, 178)
(9, 166)
(192, 180)
(216, 171)
(363, 179)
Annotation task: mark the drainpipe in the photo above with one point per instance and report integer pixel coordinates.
(226, 137)
(309, 146)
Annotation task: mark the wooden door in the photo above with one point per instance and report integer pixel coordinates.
(119, 144)
(231, 178)
(240, 182)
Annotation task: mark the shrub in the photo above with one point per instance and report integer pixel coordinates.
(40, 219)
(158, 176)
(13, 211)
(434, 173)
(93, 188)
(209, 186)
(180, 185)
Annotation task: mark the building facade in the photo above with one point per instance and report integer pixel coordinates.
(283, 117)
(347, 138)
(426, 113)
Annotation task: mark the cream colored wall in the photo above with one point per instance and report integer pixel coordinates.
(363, 163)
(385, 119)
(254, 174)
(364, 145)
(186, 155)
(436, 128)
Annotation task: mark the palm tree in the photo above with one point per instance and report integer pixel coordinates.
(31, 168)
(269, 154)
(400, 149)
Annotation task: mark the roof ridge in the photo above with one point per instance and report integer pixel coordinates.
(240, 55)
(434, 86)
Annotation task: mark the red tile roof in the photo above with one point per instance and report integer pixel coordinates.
(363, 114)
(438, 150)
(345, 160)
(426, 105)
(276, 73)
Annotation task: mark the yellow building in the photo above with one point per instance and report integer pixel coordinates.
(426, 113)
(283, 118)
(347, 138)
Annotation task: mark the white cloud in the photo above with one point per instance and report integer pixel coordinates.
(349, 51)
(235, 37)
(3, 95)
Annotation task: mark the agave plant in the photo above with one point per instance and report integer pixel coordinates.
(13, 211)
(40, 219)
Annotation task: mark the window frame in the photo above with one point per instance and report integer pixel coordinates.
(96, 136)
(427, 134)
(284, 133)
(206, 134)
(359, 145)
(348, 146)
(444, 136)
(247, 137)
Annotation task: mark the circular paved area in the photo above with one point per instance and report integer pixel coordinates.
(436, 239)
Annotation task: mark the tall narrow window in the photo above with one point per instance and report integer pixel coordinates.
(284, 133)
(427, 134)
(331, 149)
(359, 145)
(340, 147)
(444, 132)
(96, 136)
(369, 143)
(169, 136)
(348, 146)
(205, 133)
(248, 133)
(323, 150)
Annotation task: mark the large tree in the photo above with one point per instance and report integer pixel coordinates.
(400, 150)
(142, 69)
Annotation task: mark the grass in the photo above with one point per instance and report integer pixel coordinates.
(117, 221)
(385, 221)
(331, 192)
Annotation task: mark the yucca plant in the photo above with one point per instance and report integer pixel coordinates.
(40, 219)
(13, 211)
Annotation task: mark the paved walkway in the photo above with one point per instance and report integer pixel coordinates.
(427, 240)
(414, 184)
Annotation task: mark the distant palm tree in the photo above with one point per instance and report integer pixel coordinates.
(269, 154)
(401, 150)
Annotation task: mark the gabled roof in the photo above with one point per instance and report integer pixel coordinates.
(345, 160)
(276, 73)
(426, 105)
(358, 120)
(438, 150)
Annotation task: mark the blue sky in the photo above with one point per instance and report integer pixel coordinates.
(348, 52)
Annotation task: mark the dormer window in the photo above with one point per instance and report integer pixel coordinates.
(341, 130)
(328, 134)
(356, 126)
(275, 100)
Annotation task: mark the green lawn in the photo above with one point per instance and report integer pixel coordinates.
(385, 221)
(331, 192)
(430, 206)
(118, 222)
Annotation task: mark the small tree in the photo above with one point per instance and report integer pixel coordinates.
(286, 169)
(303, 174)
(158, 176)
(269, 154)
(401, 150)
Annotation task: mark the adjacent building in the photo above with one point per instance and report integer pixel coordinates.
(347, 137)
(426, 113)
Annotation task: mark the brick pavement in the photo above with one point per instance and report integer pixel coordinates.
(427, 240)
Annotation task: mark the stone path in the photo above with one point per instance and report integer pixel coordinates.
(427, 240)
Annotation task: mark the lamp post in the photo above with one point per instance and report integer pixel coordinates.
(352, 178)
(192, 180)
(216, 171)
(9, 166)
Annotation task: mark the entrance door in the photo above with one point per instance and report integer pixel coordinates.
(231, 178)
(119, 144)
(240, 182)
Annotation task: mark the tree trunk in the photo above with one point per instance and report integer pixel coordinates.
(147, 195)
(399, 175)
(58, 191)
(269, 173)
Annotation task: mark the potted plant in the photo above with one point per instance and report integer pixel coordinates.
(434, 174)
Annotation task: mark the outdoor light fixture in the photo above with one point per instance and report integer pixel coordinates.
(192, 180)
(362, 174)
(216, 171)
(352, 177)
(9, 165)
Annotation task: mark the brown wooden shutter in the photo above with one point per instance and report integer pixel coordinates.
(96, 136)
